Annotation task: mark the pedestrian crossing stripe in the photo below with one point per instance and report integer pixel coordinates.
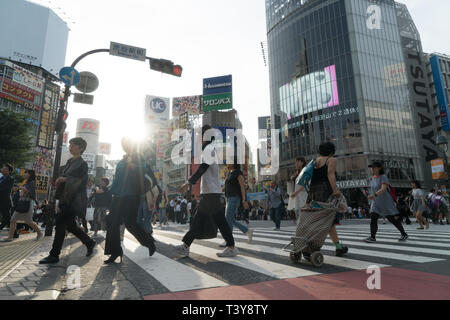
(380, 254)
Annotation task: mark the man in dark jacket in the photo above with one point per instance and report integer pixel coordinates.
(6, 184)
(102, 200)
(72, 197)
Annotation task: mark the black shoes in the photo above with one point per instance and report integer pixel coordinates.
(90, 249)
(112, 259)
(152, 248)
(403, 238)
(49, 259)
(342, 251)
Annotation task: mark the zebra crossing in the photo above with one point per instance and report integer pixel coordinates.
(264, 260)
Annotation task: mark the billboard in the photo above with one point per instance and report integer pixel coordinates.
(49, 114)
(104, 148)
(217, 93)
(437, 169)
(441, 93)
(35, 36)
(90, 159)
(190, 104)
(312, 92)
(157, 109)
(20, 85)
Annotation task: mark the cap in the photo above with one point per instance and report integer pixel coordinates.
(376, 164)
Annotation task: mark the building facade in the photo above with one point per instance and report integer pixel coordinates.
(338, 73)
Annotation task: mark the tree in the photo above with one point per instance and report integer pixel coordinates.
(16, 145)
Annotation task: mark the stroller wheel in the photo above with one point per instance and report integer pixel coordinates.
(316, 259)
(295, 257)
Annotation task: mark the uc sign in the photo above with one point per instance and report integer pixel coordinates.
(158, 105)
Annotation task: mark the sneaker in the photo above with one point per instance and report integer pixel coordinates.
(39, 236)
(223, 244)
(182, 250)
(370, 240)
(49, 259)
(403, 238)
(228, 253)
(276, 229)
(420, 228)
(441, 223)
(342, 251)
(250, 235)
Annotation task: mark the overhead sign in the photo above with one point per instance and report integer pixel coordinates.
(222, 101)
(217, 93)
(88, 82)
(69, 76)
(126, 51)
(83, 98)
(157, 109)
(217, 85)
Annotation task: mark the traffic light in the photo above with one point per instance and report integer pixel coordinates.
(166, 66)
(61, 121)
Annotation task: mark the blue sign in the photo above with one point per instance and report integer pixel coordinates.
(69, 76)
(217, 85)
(440, 93)
(256, 196)
(158, 105)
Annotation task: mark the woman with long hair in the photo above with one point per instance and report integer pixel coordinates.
(419, 206)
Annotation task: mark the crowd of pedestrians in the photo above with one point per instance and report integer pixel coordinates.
(123, 203)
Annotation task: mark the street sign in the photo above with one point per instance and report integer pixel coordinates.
(126, 51)
(69, 76)
(88, 82)
(83, 98)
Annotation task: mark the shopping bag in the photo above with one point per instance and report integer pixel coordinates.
(204, 225)
(90, 214)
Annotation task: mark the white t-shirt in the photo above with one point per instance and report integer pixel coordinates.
(418, 194)
(210, 182)
(172, 203)
(178, 208)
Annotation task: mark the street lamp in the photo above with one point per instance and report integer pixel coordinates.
(442, 143)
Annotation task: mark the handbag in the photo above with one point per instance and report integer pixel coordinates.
(90, 214)
(204, 225)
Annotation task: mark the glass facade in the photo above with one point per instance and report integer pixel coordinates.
(335, 78)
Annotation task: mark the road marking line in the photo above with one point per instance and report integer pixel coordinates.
(330, 260)
(272, 269)
(173, 275)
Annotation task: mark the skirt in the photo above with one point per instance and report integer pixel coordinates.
(417, 206)
(22, 217)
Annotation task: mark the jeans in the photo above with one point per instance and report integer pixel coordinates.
(233, 204)
(210, 205)
(124, 210)
(275, 214)
(162, 216)
(145, 217)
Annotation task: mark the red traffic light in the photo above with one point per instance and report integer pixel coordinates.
(65, 115)
(177, 70)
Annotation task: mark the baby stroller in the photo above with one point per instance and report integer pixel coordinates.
(315, 222)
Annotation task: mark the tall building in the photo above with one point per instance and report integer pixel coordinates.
(338, 72)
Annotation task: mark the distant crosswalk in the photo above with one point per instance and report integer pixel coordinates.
(264, 260)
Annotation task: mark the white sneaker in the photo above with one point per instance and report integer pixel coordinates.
(250, 235)
(223, 244)
(228, 253)
(182, 250)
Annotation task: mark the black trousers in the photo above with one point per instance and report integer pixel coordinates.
(210, 205)
(5, 212)
(66, 221)
(124, 210)
(392, 219)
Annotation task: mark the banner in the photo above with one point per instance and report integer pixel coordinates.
(42, 183)
(192, 105)
(104, 148)
(49, 114)
(437, 169)
(157, 109)
(217, 93)
(90, 159)
(256, 196)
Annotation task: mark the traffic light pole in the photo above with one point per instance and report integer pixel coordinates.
(63, 107)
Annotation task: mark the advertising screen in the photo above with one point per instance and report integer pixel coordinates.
(312, 92)
(186, 104)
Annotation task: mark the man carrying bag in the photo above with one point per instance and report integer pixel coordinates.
(210, 213)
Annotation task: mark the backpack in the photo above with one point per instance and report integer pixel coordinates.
(305, 176)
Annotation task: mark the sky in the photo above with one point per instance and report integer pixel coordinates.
(206, 37)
